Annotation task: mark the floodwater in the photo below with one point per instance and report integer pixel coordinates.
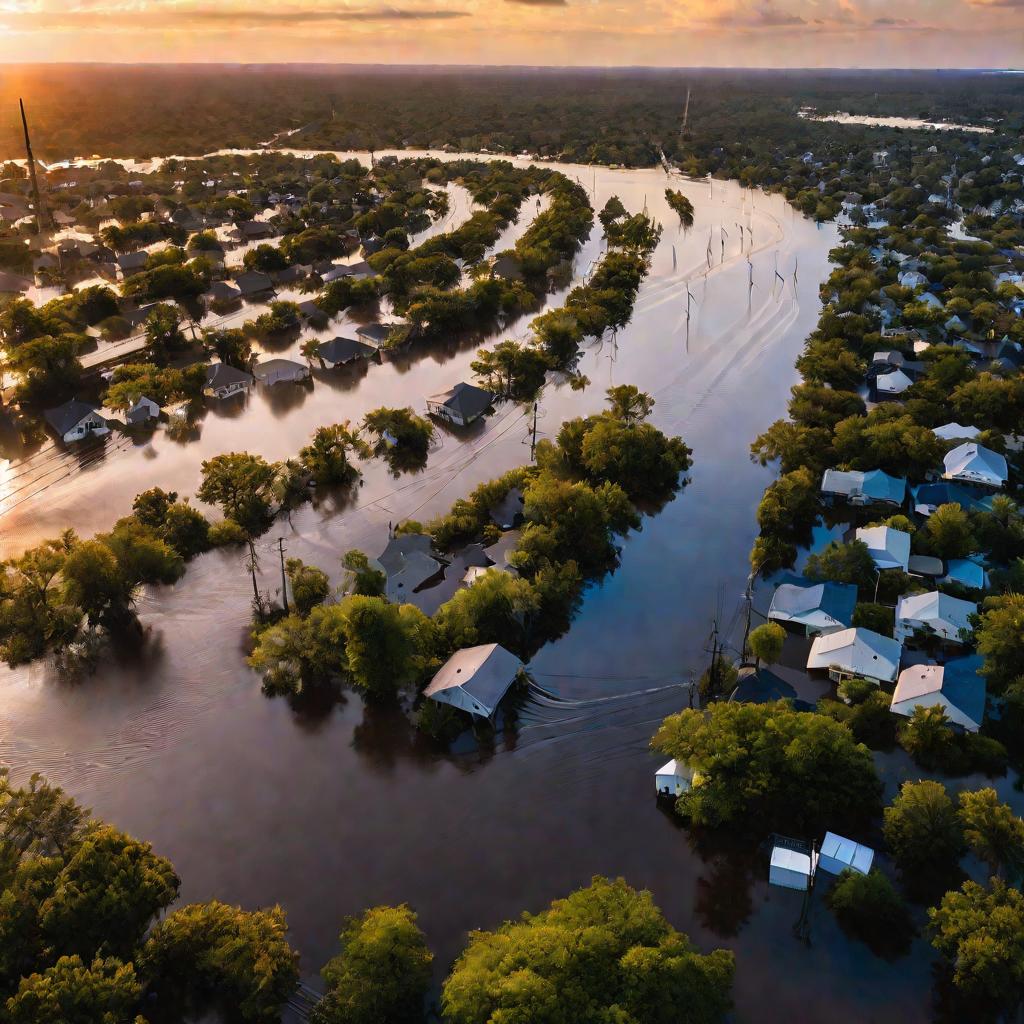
(329, 811)
(895, 122)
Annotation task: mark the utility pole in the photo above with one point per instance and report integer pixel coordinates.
(42, 219)
(533, 433)
(254, 564)
(284, 578)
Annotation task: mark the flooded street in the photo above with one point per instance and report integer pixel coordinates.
(327, 811)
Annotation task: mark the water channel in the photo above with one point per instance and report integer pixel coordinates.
(329, 811)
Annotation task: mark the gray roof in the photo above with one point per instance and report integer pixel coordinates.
(467, 400)
(253, 282)
(408, 562)
(344, 350)
(64, 417)
(220, 375)
(280, 369)
(485, 673)
(378, 333)
(133, 260)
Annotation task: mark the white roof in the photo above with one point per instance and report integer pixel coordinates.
(859, 651)
(956, 432)
(672, 769)
(975, 463)
(945, 615)
(893, 383)
(889, 548)
(847, 852)
(484, 672)
(791, 860)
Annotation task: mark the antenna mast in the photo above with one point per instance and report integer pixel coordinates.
(42, 219)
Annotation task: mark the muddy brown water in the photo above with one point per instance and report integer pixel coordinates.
(327, 811)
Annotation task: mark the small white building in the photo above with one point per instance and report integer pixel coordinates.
(890, 549)
(792, 869)
(142, 410)
(856, 652)
(475, 679)
(838, 853)
(673, 779)
(895, 382)
(935, 614)
(973, 463)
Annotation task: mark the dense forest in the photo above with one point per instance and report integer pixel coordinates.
(606, 116)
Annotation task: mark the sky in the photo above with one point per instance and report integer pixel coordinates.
(667, 33)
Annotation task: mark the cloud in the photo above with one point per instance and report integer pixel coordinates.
(540, 3)
(765, 15)
(94, 13)
(996, 3)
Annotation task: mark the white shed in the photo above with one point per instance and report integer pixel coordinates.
(673, 779)
(792, 869)
(838, 854)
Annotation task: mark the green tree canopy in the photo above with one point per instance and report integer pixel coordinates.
(767, 766)
(603, 953)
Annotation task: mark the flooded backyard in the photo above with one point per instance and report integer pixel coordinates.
(329, 810)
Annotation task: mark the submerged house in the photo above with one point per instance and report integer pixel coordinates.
(813, 608)
(792, 864)
(856, 652)
(475, 679)
(280, 371)
(872, 487)
(889, 548)
(142, 410)
(224, 381)
(955, 686)
(382, 335)
(955, 432)
(408, 562)
(463, 404)
(341, 351)
(75, 420)
(975, 464)
(935, 614)
(253, 282)
(928, 497)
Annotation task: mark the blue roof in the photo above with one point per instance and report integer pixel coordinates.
(951, 493)
(835, 599)
(963, 687)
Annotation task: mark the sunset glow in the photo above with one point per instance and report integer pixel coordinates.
(787, 33)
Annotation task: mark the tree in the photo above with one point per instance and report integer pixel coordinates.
(381, 975)
(93, 583)
(924, 836)
(843, 563)
(682, 206)
(993, 832)
(639, 458)
(47, 369)
(628, 403)
(1000, 639)
(928, 737)
(497, 608)
(399, 432)
(310, 585)
(612, 211)
(363, 578)
(241, 485)
(510, 369)
(870, 909)
(163, 331)
(766, 642)
(327, 455)
(765, 765)
(980, 933)
(211, 956)
(386, 645)
(948, 532)
(603, 953)
(231, 345)
(105, 992)
(107, 892)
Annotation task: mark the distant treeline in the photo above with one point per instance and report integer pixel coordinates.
(608, 116)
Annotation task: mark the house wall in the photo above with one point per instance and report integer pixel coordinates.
(787, 878)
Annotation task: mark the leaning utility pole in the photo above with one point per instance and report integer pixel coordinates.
(42, 219)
